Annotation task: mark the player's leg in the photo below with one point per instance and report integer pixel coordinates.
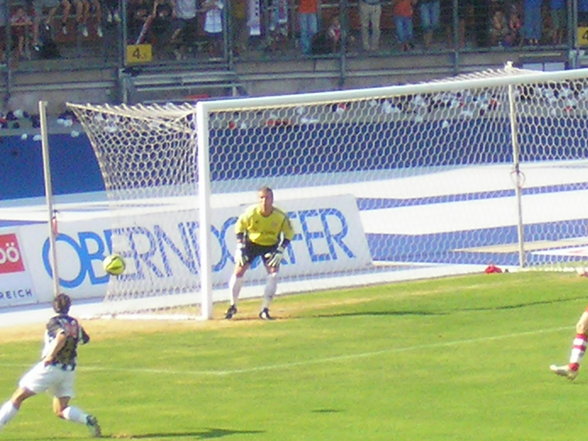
(50, 16)
(38, 12)
(38, 379)
(364, 19)
(579, 344)
(66, 10)
(63, 391)
(426, 23)
(271, 285)
(11, 407)
(20, 46)
(97, 6)
(82, 12)
(235, 285)
(62, 409)
(250, 252)
(179, 37)
(375, 20)
(79, 11)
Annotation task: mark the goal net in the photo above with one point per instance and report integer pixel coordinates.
(381, 184)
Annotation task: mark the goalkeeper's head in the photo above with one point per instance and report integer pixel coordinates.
(266, 200)
(61, 303)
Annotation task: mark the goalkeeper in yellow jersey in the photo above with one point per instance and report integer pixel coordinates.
(262, 231)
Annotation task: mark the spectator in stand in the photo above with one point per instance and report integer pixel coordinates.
(481, 12)
(514, 25)
(20, 27)
(403, 11)
(308, 20)
(328, 41)
(112, 10)
(3, 23)
(532, 21)
(498, 28)
(370, 12)
(277, 21)
(213, 26)
(558, 20)
(185, 25)
(334, 34)
(429, 12)
(158, 28)
(39, 6)
(582, 12)
(465, 18)
(239, 27)
(137, 13)
(162, 28)
(85, 8)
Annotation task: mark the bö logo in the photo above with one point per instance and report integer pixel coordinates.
(156, 249)
(10, 256)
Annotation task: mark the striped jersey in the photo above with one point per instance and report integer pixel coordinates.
(74, 334)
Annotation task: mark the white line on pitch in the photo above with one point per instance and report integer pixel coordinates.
(315, 361)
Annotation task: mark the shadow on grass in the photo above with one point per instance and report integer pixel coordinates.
(209, 433)
(525, 304)
(430, 313)
(376, 313)
(326, 411)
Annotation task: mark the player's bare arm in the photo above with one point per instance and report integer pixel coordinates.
(58, 344)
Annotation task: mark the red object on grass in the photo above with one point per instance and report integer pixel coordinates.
(492, 269)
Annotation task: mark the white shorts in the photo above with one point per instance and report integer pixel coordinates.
(43, 378)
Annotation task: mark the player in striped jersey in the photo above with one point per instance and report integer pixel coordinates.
(262, 231)
(56, 370)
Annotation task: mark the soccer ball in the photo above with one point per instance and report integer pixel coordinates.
(114, 265)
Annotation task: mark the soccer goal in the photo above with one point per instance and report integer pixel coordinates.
(382, 184)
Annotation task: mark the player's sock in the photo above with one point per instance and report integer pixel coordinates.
(7, 412)
(270, 289)
(578, 351)
(235, 284)
(75, 414)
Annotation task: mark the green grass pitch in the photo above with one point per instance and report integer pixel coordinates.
(450, 359)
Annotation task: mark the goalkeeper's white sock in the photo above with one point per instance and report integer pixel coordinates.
(270, 289)
(75, 414)
(7, 412)
(578, 351)
(235, 284)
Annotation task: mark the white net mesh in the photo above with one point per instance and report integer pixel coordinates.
(408, 181)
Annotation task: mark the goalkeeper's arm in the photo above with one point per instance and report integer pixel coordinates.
(240, 257)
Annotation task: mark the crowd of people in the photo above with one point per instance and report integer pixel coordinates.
(28, 26)
(175, 28)
(316, 27)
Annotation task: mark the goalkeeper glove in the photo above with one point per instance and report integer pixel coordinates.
(240, 258)
(275, 257)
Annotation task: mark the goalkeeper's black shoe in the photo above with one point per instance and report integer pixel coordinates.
(231, 312)
(265, 315)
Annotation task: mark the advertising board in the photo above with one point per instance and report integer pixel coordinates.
(160, 246)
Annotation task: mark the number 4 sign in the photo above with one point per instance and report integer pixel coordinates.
(582, 36)
(139, 53)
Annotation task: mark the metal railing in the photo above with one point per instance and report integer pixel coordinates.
(464, 27)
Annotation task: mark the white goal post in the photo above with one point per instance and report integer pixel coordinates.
(382, 184)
